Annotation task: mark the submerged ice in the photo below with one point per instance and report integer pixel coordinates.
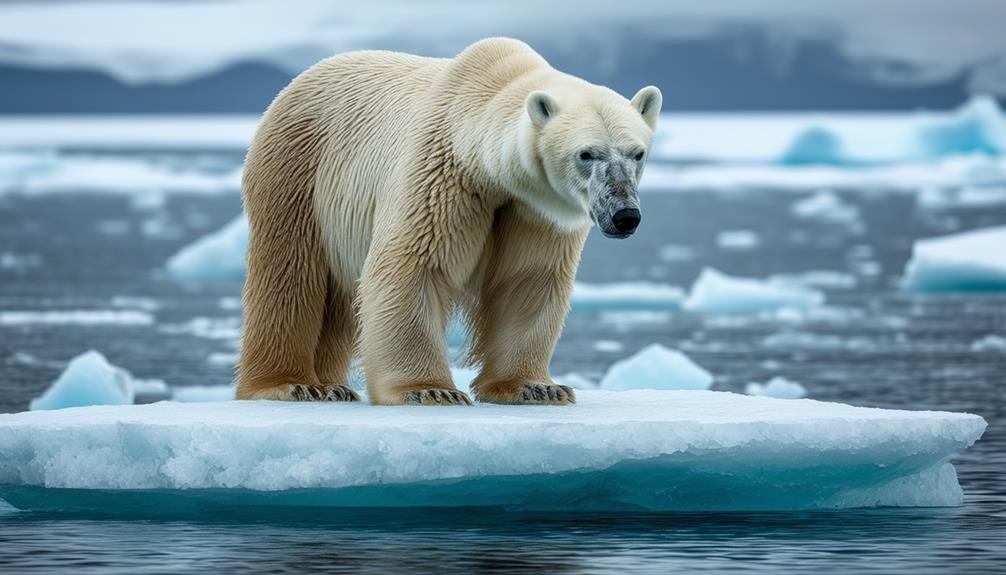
(628, 451)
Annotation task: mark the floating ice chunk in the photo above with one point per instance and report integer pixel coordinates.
(716, 292)
(136, 302)
(989, 343)
(977, 127)
(814, 145)
(612, 451)
(676, 253)
(825, 206)
(87, 380)
(656, 367)
(207, 327)
(625, 296)
(969, 261)
(816, 279)
(738, 240)
(150, 387)
(777, 387)
(970, 197)
(608, 345)
(223, 359)
(76, 317)
(202, 393)
(218, 256)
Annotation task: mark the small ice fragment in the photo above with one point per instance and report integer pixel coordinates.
(969, 261)
(777, 387)
(656, 367)
(738, 240)
(575, 380)
(989, 343)
(825, 206)
(150, 387)
(87, 380)
(222, 359)
(608, 345)
(218, 256)
(716, 292)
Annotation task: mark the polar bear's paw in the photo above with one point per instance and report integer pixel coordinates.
(325, 392)
(525, 393)
(436, 396)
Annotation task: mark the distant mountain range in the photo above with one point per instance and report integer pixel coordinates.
(742, 70)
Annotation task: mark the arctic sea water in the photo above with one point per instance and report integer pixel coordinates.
(97, 257)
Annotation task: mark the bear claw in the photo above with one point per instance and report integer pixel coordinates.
(436, 397)
(549, 394)
(327, 392)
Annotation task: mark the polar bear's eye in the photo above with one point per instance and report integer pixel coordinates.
(639, 156)
(586, 156)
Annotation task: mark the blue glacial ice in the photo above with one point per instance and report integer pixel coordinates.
(814, 145)
(87, 380)
(716, 292)
(976, 127)
(218, 256)
(777, 387)
(968, 261)
(613, 451)
(656, 367)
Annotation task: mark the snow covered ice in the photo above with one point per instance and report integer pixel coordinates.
(656, 367)
(968, 261)
(87, 380)
(629, 451)
(716, 292)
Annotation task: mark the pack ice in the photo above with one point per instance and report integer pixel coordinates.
(969, 261)
(639, 450)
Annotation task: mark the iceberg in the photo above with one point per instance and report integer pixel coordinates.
(777, 387)
(976, 127)
(656, 367)
(219, 256)
(716, 292)
(87, 380)
(628, 451)
(969, 261)
(814, 145)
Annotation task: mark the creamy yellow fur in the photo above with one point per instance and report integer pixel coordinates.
(385, 190)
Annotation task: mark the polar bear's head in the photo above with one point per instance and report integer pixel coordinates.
(591, 144)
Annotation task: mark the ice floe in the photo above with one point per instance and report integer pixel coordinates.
(777, 387)
(738, 240)
(716, 292)
(989, 343)
(969, 197)
(615, 451)
(87, 380)
(76, 317)
(625, 295)
(825, 279)
(656, 367)
(218, 256)
(825, 206)
(968, 261)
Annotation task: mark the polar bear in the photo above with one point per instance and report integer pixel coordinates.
(386, 191)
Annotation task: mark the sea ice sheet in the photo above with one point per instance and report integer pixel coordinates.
(969, 261)
(628, 451)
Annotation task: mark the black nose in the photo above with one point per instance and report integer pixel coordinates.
(626, 220)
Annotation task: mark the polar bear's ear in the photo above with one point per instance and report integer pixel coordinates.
(647, 102)
(540, 107)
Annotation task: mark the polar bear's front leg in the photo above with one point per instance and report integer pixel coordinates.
(520, 311)
(404, 307)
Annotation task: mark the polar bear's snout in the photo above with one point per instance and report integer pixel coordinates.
(614, 199)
